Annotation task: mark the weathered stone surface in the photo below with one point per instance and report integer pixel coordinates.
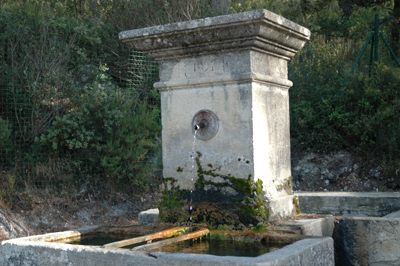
(367, 241)
(24, 251)
(338, 171)
(261, 29)
(329, 167)
(148, 216)
(393, 215)
(10, 227)
(350, 203)
(310, 227)
(235, 66)
(305, 252)
(229, 191)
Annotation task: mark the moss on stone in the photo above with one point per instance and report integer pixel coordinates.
(261, 227)
(248, 207)
(288, 185)
(296, 204)
(243, 185)
(169, 198)
(259, 186)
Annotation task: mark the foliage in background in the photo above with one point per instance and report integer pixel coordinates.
(70, 95)
(5, 143)
(67, 82)
(7, 190)
(155, 12)
(362, 116)
(80, 103)
(111, 128)
(130, 151)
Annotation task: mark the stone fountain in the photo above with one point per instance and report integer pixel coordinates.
(226, 79)
(226, 146)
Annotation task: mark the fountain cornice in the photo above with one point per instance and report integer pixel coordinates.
(260, 30)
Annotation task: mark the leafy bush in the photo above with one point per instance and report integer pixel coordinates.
(42, 54)
(362, 118)
(119, 133)
(130, 149)
(154, 12)
(6, 146)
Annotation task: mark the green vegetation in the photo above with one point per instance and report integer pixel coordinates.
(7, 190)
(5, 142)
(296, 204)
(218, 210)
(73, 104)
(261, 227)
(362, 117)
(77, 106)
(252, 204)
(169, 198)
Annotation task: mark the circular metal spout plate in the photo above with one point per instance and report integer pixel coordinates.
(211, 120)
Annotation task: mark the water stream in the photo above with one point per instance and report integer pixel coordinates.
(193, 157)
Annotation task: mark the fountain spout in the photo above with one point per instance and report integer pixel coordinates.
(203, 124)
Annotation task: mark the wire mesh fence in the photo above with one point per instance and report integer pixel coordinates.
(337, 89)
(64, 103)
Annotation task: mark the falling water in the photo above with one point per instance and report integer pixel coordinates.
(193, 157)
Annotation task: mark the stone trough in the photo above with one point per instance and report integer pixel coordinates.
(44, 250)
(367, 227)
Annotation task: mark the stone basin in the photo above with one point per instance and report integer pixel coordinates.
(44, 250)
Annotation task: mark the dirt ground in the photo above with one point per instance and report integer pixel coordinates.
(43, 213)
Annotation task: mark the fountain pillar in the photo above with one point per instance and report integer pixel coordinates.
(228, 76)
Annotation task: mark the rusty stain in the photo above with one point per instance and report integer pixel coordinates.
(196, 234)
(148, 238)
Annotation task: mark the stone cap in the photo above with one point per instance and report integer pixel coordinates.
(259, 30)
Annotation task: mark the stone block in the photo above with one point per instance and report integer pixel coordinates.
(350, 204)
(393, 215)
(367, 241)
(148, 216)
(310, 227)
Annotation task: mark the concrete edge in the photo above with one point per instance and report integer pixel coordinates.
(284, 256)
(351, 204)
(222, 80)
(49, 237)
(367, 241)
(281, 207)
(42, 253)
